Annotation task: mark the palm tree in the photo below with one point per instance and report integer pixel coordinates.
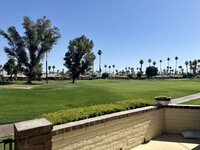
(141, 63)
(194, 63)
(149, 60)
(154, 63)
(113, 69)
(117, 72)
(132, 71)
(105, 67)
(198, 62)
(160, 67)
(180, 68)
(109, 68)
(1, 70)
(190, 63)
(186, 63)
(168, 59)
(99, 53)
(49, 68)
(176, 58)
(53, 68)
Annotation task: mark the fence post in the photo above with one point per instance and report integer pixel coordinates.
(33, 135)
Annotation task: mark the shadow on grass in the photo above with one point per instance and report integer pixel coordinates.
(6, 83)
(18, 83)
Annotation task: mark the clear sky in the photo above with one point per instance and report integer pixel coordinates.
(125, 30)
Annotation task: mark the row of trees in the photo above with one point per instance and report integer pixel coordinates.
(193, 66)
(26, 52)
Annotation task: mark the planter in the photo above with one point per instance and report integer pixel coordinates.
(163, 100)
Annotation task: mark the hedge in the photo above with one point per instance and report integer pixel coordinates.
(75, 114)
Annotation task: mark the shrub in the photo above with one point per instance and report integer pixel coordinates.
(74, 114)
(139, 75)
(151, 71)
(105, 75)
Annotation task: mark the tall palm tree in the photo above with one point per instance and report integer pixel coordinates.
(186, 64)
(132, 71)
(105, 67)
(53, 68)
(180, 68)
(194, 63)
(113, 69)
(149, 60)
(49, 68)
(160, 67)
(99, 53)
(109, 68)
(154, 63)
(168, 59)
(1, 69)
(176, 58)
(198, 62)
(190, 63)
(141, 63)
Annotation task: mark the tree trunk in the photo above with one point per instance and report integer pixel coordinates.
(73, 80)
(29, 81)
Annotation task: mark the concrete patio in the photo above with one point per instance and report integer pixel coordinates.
(170, 142)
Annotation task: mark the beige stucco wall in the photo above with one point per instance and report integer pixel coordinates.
(180, 119)
(120, 134)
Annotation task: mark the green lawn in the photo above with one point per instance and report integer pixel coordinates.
(22, 104)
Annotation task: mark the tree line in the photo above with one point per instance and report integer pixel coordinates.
(26, 52)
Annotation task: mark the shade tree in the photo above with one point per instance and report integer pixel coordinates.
(79, 57)
(30, 49)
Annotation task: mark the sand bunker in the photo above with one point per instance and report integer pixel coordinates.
(17, 86)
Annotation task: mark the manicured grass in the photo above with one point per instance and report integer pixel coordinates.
(22, 104)
(193, 102)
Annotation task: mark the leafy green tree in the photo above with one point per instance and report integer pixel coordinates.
(151, 71)
(79, 57)
(11, 68)
(105, 75)
(139, 75)
(39, 38)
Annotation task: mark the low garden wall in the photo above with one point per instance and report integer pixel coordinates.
(182, 117)
(121, 131)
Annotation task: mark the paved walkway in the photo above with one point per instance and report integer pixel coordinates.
(185, 98)
(170, 142)
(9, 129)
(6, 129)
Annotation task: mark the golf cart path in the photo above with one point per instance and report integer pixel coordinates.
(185, 98)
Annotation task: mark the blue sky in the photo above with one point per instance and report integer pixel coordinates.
(126, 31)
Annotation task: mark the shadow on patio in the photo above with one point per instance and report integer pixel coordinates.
(170, 141)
